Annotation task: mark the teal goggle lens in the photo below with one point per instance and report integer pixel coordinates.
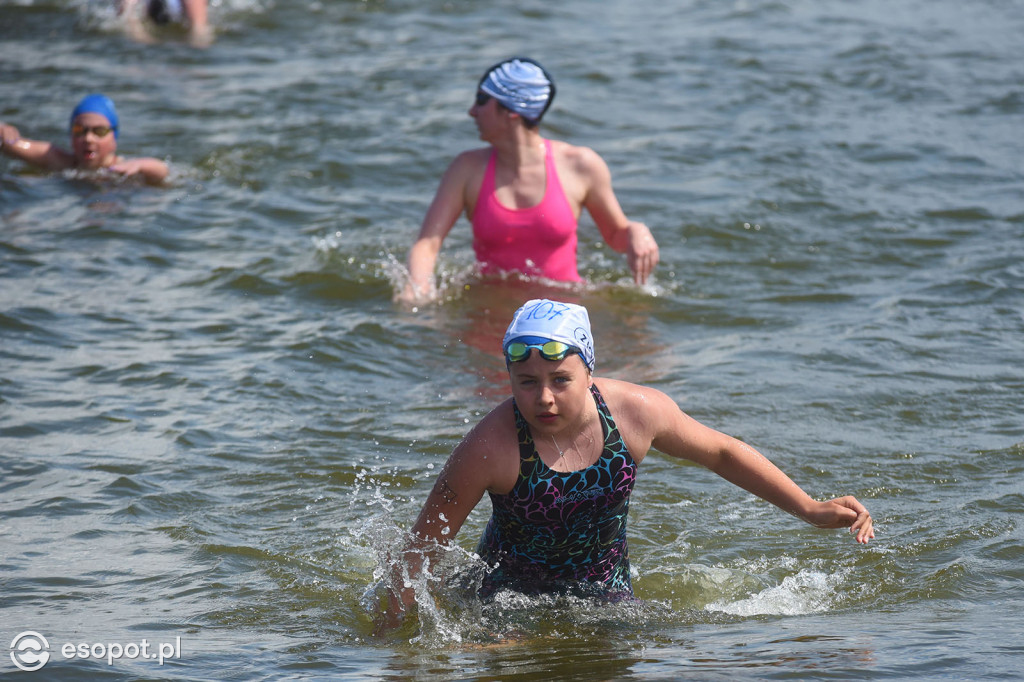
(518, 351)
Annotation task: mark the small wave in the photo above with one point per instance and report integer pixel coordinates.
(806, 592)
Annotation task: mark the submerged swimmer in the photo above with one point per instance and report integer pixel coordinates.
(190, 13)
(94, 129)
(559, 459)
(523, 194)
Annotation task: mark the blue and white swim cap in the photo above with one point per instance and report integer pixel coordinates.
(555, 321)
(520, 85)
(97, 104)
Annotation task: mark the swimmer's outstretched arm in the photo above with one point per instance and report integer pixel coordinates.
(35, 152)
(677, 434)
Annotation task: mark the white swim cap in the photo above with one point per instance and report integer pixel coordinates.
(555, 321)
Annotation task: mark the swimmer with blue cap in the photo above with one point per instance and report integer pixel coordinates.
(94, 128)
(523, 193)
(559, 460)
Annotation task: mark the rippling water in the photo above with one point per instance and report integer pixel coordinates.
(213, 420)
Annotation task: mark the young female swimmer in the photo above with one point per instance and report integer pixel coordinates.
(559, 459)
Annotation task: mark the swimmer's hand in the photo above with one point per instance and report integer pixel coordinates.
(9, 135)
(127, 167)
(844, 512)
(153, 170)
(642, 252)
(412, 295)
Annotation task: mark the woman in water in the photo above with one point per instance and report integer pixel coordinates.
(94, 128)
(189, 13)
(523, 194)
(559, 459)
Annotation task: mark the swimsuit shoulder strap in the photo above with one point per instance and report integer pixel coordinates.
(614, 445)
(487, 183)
(527, 450)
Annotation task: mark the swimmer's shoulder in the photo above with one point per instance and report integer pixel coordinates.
(472, 159)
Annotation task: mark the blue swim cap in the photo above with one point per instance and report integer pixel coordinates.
(553, 321)
(97, 104)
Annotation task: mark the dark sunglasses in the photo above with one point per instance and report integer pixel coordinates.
(518, 351)
(82, 131)
(482, 98)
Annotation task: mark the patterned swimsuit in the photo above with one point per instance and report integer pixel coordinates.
(557, 530)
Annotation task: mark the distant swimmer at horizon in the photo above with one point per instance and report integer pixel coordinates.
(193, 14)
(559, 459)
(94, 129)
(523, 194)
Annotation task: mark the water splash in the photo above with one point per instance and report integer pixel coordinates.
(806, 592)
(447, 610)
(456, 279)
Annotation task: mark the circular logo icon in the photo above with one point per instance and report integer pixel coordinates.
(30, 651)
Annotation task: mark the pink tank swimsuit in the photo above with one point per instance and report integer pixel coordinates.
(540, 240)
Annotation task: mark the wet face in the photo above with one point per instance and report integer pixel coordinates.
(91, 149)
(552, 395)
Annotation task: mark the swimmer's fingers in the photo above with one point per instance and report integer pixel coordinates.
(860, 523)
(864, 528)
(647, 264)
(643, 252)
(8, 134)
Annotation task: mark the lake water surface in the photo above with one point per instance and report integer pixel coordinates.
(214, 421)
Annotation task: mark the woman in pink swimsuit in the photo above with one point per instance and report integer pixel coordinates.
(523, 194)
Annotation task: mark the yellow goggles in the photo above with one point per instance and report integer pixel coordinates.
(82, 131)
(517, 351)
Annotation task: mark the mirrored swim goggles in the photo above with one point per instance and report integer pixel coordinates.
(519, 350)
(78, 130)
